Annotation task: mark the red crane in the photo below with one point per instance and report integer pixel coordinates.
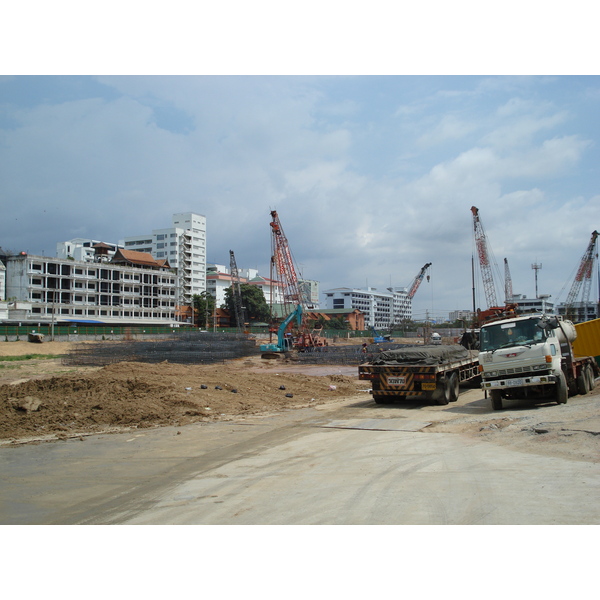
(284, 264)
(294, 300)
(493, 310)
(583, 278)
(484, 261)
(417, 281)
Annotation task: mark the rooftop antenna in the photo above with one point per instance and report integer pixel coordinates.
(536, 267)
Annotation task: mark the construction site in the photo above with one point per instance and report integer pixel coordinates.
(292, 427)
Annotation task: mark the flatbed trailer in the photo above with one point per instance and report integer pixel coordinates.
(429, 372)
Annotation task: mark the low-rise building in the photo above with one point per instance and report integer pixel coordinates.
(381, 309)
(219, 279)
(580, 311)
(541, 304)
(131, 288)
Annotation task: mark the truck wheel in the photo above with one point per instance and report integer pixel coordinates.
(496, 396)
(562, 393)
(442, 392)
(591, 378)
(583, 381)
(454, 387)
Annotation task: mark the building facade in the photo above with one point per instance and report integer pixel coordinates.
(219, 279)
(310, 291)
(580, 311)
(184, 246)
(541, 304)
(381, 309)
(131, 288)
(461, 315)
(83, 249)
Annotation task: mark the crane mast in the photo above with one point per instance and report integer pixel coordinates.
(236, 292)
(508, 288)
(582, 278)
(484, 262)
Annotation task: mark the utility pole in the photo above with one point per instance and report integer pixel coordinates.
(536, 267)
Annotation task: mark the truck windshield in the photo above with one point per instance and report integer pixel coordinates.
(514, 333)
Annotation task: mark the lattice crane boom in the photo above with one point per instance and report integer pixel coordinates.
(236, 292)
(284, 263)
(417, 281)
(583, 276)
(508, 287)
(484, 261)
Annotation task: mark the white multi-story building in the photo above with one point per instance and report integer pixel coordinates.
(84, 249)
(461, 315)
(310, 290)
(381, 309)
(131, 288)
(218, 279)
(580, 311)
(184, 246)
(541, 304)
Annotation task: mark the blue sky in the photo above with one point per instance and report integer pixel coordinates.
(341, 120)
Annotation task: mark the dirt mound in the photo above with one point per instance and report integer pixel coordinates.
(143, 395)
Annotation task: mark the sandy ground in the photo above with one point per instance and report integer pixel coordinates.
(40, 398)
(44, 400)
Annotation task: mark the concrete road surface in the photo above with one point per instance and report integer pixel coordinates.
(350, 463)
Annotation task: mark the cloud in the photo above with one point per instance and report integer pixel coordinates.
(372, 177)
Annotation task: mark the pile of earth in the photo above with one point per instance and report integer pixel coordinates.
(138, 395)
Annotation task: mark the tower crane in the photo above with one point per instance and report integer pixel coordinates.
(582, 278)
(236, 292)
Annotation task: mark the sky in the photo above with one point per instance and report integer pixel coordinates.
(372, 175)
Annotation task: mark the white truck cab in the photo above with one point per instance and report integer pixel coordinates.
(529, 356)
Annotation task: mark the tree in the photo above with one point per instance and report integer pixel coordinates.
(253, 301)
(204, 306)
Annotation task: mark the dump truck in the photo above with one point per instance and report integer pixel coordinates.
(532, 357)
(428, 372)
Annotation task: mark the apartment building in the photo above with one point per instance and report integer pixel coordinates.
(130, 288)
(381, 309)
(184, 246)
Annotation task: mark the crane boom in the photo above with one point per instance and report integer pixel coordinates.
(284, 263)
(484, 262)
(236, 292)
(417, 281)
(583, 277)
(508, 289)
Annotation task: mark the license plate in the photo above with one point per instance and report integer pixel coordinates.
(514, 382)
(428, 386)
(396, 380)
